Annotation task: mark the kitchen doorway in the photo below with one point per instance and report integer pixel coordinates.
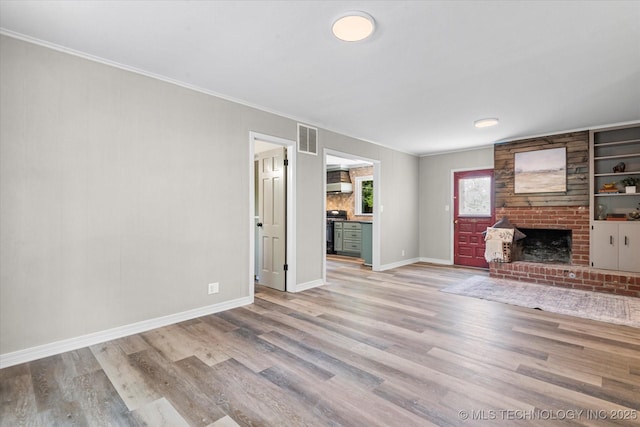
(272, 227)
(352, 209)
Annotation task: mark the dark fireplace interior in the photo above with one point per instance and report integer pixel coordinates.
(544, 245)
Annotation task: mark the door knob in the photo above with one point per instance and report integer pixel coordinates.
(259, 224)
(455, 222)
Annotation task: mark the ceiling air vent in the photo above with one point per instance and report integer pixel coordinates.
(307, 139)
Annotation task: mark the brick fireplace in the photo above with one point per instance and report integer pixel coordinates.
(577, 274)
(555, 211)
(574, 218)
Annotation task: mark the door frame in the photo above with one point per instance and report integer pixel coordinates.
(290, 245)
(452, 255)
(377, 208)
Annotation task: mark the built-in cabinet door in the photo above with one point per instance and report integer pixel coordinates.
(629, 247)
(616, 246)
(604, 248)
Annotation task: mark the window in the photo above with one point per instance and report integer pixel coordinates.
(364, 195)
(474, 196)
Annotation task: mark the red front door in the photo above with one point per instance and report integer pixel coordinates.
(473, 212)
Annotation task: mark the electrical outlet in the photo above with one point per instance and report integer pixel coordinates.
(214, 288)
(403, 252)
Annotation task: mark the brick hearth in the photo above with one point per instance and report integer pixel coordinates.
(578, 274)
(569, 276)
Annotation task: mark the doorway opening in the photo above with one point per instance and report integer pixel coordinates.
(473, 212)
(352, 209)
(272, 217)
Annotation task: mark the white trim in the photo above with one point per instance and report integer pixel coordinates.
(57, 347)
(304, 286)
(475, 168)
(291, 146)
(436, 261)
(560, 132)
(378, 217)
(131, 69)
(185, 85)
(139, 71)
(460, 150)
(518, 138)
(398, 264)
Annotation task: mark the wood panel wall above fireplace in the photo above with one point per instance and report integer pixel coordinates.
(577, 194)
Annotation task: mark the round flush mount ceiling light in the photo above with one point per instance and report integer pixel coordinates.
(485, 123)
(353, 26)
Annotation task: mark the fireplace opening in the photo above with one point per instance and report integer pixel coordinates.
(544, 246)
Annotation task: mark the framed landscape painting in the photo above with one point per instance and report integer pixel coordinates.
(541, 171)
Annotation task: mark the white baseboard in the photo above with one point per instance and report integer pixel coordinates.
(304, 286)
(437, 261)
(398, 264)
(57, 347)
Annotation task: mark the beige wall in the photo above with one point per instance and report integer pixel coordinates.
(122, 196)
(436, 239)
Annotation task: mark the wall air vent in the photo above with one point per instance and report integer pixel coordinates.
(307, 139)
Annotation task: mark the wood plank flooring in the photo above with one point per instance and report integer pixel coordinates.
(368, 349)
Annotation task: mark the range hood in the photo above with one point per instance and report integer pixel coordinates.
(340, 187)
(338, 180)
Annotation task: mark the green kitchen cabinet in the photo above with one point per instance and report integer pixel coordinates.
(366, 244)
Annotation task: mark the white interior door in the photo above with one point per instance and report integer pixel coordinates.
(272, 217)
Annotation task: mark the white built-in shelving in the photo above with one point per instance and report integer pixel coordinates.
(614, 244)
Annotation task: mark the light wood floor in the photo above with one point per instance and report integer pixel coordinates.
(370, 349)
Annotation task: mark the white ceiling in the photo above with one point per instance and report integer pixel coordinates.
(417, 85)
